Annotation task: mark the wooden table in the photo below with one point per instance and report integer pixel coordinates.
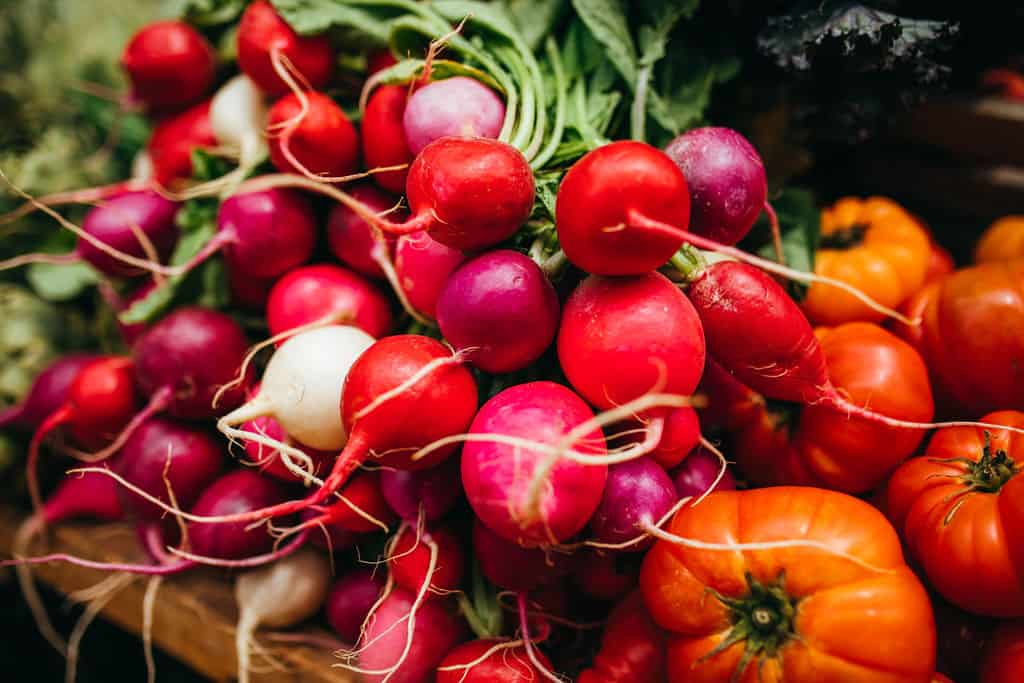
(195, 612)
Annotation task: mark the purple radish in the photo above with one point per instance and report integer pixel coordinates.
(698, 472)
(434, 490)
(502, 306)
(458, 106)
(513, 567)
(638, 493)
(354, 241)
(236, 491)
(48, 393)
(350, 600)
(423, 265)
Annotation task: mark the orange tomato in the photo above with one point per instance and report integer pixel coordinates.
(874, 245)
(792, 614)
(1003, 661)
(1002, 241)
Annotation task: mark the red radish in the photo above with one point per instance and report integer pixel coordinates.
(389, 406)
(726, 182)
(513, 567)
(181, 361)
(354, 241)
(621, 338)
(312, 293)
(350, 600)
(498, 476)
(88, 495)
(697, 474)
(457, 106)
(632, 648)
(162, 454)
(605, 576)
(638, 493)
(378, 60)
(263, 234)
(233, 492)
(383, 136)
(270, 461)
(247, 291)
(500, 308)
(171, 144)
(100, 402)
(310, 134)
(680, 435)
(432, 492)
(169, 64)
(48, 392)
(489, 661)
(423, 265)
(327, 534)
(265, 41)
(301, 388)
(238, 115)
(279, 595)
(125, 236)
(404, 642)
(409, 560)
(361, 508)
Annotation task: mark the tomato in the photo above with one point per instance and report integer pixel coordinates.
(940, 263)
(972, 337)
(874, 245)
(1003, 661)
(794, 614)
(787, 443)
(960, 509)
(1002, 241)
(632, 648)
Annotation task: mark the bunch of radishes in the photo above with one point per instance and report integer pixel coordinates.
(501, 396)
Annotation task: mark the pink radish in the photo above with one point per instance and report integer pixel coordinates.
(282, 594)
(312, 293)
(266, 41)
(680, 436)
(697, 474)
(174, 139)
(432, 492)
(383, 136)
(637, 491)
(350, 600)
(409, 560)
(501, 308)
(498, 477)
(48, 393)
(354, 241)
(125, 236)
(270, 460)
(169, 64)
(513, 567)
(457, 106)
(490, 661)
(423, 265)
(311, 135)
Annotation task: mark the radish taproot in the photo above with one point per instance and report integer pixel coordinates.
(501, 309)
(282, 594)
(169, 64)
(268, 47)
(311, 135)
(350, 600)
(459, 106)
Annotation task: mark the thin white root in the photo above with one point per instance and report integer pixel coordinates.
(243, 635)
(22, 540)
(90, 613)
(724, 465)
(148, 608)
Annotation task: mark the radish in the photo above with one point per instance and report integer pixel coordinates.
(91, 496)
(267, 47)
(310, 134)
(47, 394)
(311, 293)
(169, 64)
(383, 136)
(423, 265)
(698, 474)
(513, 567)
(235, 491)
(350, 600)
(130, 332)
(360, 508)
(328, 535)
(301, 388)
(457, 106)
(604, 575)
(263, 234)
(410, 554)
(489, 661)
(249, 292)
(499, 478)
(501, 309)
(173, 140)
(432, 492)
(632, 647)
(353, 241)
(638, 493)
(238, 116)
(100, 402)
(404, 641)
(679, 437)
(125, 236)
(726, 182)
(279, 595)
(270, 461)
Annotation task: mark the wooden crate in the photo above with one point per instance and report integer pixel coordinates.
(195, 611)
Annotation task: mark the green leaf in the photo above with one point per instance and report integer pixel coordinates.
(61, 282)
(209, 12)
(653, 37)
(310, 17)
(606, 20)
(536, 19)
(206, 166)
(799, 220)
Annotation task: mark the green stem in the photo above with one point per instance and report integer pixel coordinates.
(561, 105)
(638, 112)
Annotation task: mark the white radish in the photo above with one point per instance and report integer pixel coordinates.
(238, 115)
(280, 595)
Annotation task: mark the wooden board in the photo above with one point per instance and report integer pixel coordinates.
(195, 612)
